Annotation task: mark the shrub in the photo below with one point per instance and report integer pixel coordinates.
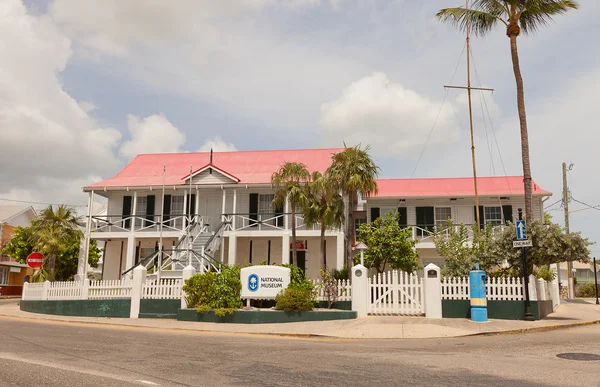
(218, 291)
(545, 273)
(330, 287)
(298, 279)
(294, 299)
(586, 290)
(342, 274)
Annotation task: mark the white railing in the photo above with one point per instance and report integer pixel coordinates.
(164, 289)
(397, 293)
(344, 290)
(109, 289)
(455, 288)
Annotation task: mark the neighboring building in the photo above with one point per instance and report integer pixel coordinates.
(426, 204)
(12, 273)
(219, 206)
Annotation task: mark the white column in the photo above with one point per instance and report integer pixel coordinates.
(286, 218)
(432, 291)
(84, 247)
(188, 272)
(133, 211)
(234, 210)
(130, 257)
(139, 278)
(222, 248)
(85, 289)
(185, 209)
(197, 206)
(360, 291)
(339, 250)
(285, 248)
(232, 250)
(223, 205)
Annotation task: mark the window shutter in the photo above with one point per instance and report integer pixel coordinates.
(167, 209)
(403, 216)
(425, 219)
(253, 208)
(137, 254)
(149, 210)
(279, 212)
(508, 215)
(375, 213)
(481, 217)
(191, 205)
(430, 218)
(127, 211)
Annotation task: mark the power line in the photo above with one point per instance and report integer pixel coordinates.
(553, 204)
(439, 112)
(590, 207)
(43, 203)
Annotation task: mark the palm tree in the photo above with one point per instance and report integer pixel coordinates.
(353, 171)
(288, 183)
(517, 16)
(325, 207)
(52, 229)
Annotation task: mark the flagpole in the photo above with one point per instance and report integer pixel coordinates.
(162, 211)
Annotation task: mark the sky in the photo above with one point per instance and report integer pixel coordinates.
(84, 88)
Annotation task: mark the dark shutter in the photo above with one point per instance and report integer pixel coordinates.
(481, 217)
(279, 212)
(253, 208)
(167, 209)
(191, 205)
(150, 209)
(508, 215)
(375, 213)
(127, 211)
(402, 216)
(137, 255)
(425, 220)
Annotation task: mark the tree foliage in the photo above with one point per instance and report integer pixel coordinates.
(215, 291)
(462, 248)
(353, 171)
(67, 254)
(288, 183)
(388, 244)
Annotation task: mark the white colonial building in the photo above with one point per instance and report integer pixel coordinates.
(209, 208)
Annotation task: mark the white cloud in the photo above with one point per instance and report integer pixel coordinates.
(153, 134)
(386, 115)
(47, 138)
(217, 144)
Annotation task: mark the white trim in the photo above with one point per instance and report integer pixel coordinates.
(216, 169)
(7, 220)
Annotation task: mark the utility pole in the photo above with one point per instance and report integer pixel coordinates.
(570, 283)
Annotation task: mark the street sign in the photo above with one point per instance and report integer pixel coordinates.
(35, 260)
(521, 230)
(525, 243)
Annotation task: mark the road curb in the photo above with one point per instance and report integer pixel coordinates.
(536, 329)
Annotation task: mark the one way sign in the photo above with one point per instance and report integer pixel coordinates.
(521, 230)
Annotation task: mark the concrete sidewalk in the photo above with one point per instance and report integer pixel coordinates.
(570, 313)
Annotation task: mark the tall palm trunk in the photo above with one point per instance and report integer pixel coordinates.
(294, 255)
(512, 34)
(323, 246)
(350, 231)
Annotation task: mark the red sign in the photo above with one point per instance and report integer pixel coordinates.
(35, 260)
(300, 245)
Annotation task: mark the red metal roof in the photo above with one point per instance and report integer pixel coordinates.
(250, 167)
(454, 187)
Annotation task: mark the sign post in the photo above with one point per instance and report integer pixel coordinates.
(35, 260)
(596, 280)
(521, 230)
(263, 281)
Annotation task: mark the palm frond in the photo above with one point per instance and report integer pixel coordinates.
(480, 22)
(539, 13)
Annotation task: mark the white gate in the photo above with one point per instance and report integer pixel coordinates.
(396, 293)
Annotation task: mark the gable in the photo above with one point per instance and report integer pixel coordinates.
(216, 177)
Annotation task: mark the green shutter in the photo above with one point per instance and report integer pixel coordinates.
(253, 208)
(508, 214)
(425, 220)
(375, 213)
(279, 212)
(127, 211)
(403, 216)
(481, 217)
(150, 209)
(167, 209)
(191, 205)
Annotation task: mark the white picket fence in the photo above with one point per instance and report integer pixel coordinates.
(68, 290)
(110, 289)
(502, 289)
(396, 293)
(455, 288)
(165, 289)
(344, 290)
(505, 288)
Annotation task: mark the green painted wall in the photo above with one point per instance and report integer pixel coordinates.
(501, 310)
(264, 317)
(83, 308)
(159, 308)
(340, 305)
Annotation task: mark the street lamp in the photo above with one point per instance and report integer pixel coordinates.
(362, 247)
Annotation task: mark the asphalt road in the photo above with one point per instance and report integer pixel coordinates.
(68, 354)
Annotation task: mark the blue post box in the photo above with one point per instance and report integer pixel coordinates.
(477, 280)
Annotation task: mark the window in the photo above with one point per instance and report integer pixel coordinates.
(176, 205)
(493, 215)
(4, 275)
(264, 203)
(140, 210)
(442, 214)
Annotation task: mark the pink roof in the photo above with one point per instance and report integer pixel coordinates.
(250, 167)
(454, 187)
